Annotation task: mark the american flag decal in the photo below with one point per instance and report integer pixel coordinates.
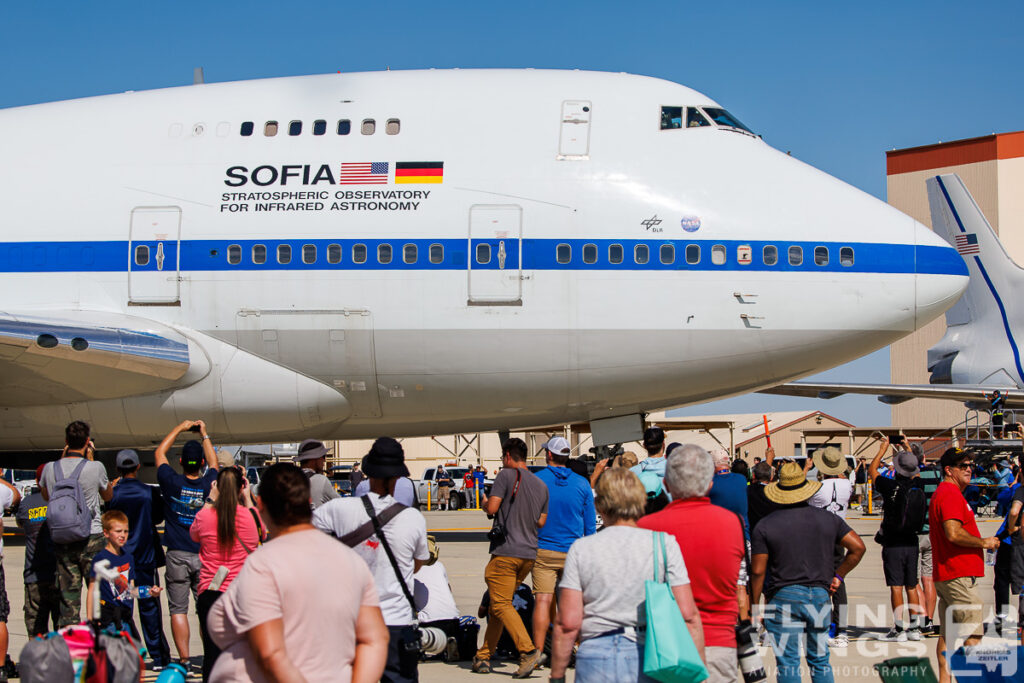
(364, 173)
(967, 244)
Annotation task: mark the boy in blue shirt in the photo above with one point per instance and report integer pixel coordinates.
(117, 591)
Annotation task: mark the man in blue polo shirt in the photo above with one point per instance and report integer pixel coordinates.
(144, 508)
(184, 495)
(570, 516)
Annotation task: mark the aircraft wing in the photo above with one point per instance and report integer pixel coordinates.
(898, 393)
(67, 356)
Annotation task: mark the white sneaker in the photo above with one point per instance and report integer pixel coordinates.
(914, 634)
(894, 636)
(841, 640)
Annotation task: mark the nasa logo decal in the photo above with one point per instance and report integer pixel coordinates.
(690, 223)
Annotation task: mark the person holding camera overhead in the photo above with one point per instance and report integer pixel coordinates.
(184, 495)
(519, 505)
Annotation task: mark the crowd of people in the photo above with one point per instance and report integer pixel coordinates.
(719, 533)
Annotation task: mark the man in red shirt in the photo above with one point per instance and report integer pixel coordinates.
(957, 557)
(711, 539)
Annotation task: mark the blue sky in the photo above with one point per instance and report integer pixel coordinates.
(835, 84)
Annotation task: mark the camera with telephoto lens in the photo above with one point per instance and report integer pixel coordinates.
(749, 658)
(433, 641)
(411, 640)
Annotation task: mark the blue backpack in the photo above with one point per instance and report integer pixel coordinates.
(67, 515)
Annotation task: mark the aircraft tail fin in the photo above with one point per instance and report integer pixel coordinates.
(989, 306)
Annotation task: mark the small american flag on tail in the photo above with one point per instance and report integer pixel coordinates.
(364, 173)
(967, 244)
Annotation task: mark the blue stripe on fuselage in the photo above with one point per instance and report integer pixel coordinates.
(538, 254)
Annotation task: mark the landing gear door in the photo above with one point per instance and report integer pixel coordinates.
(153, 257)
(495, 255)
(574, 137)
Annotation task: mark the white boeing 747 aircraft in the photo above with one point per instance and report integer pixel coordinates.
(422, 252)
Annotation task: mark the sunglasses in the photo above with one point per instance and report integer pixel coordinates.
(963, 465)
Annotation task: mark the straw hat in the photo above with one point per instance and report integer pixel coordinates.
(792, 486)
(829, 460)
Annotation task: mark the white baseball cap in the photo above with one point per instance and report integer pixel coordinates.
(558, 446)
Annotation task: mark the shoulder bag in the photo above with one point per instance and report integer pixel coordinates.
(499, 531)
(670, 655)
(412, 645)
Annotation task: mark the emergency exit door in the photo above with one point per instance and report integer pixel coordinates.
(153, 254)
(495, 261)
(574, 136)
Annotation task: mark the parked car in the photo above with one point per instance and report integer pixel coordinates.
(23, 480)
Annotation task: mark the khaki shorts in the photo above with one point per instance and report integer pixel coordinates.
(959, 607)
(924, 556)
(547, 570)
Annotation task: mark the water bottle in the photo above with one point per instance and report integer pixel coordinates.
(750, 660)
(143, 592)
(990, 558)
(174, 673)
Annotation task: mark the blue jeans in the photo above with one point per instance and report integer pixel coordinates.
(795, 615)
(610, 659)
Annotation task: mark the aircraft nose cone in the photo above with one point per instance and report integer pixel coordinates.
(940, 275)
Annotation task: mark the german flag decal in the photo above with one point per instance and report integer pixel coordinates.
(419, 172)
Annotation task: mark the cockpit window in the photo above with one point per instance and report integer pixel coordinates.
(725, 119)
(694, 119)
(671, 117)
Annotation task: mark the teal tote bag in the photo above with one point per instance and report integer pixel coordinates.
(669, 653)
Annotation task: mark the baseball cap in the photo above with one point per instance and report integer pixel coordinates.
(558, 446)
(192, 454)
(126, 459)
(952, 456)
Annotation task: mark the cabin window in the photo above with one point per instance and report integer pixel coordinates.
(410, 253)
(284, 253)
(615, 253)
(334, 253)
(142, 255)
(718, 254)
(295, 128)
(392, 126)
(247, 128)
(796, 256)
(590, 253)
(344, 127)
(821, 256)
(641, 253)
(694, 119)
(270, 129)
(693, 254)
(259, 253)
(668, 254)
(319, 127)
(846, 257)
(359, 253)
(483, 253)
(563, 253)
(770, 255)
(309, 253)
(234, 254)
(671, 117)
(369, 127)
(436, 253)
(384, 253)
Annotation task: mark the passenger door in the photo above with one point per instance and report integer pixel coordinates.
(574, 137)
(494, 255)
(154, 249)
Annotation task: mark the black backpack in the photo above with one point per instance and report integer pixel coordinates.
(911, 506)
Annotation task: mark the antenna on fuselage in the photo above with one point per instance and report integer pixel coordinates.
(197, 76)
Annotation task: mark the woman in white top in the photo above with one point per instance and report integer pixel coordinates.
(834, 496)
(601, 594)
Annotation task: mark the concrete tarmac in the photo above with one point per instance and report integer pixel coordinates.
(462, 539)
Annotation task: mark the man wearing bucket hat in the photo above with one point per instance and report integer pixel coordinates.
(834, 496)
(311, 457)
(904, 513)
(801, 575)
(393, 554)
